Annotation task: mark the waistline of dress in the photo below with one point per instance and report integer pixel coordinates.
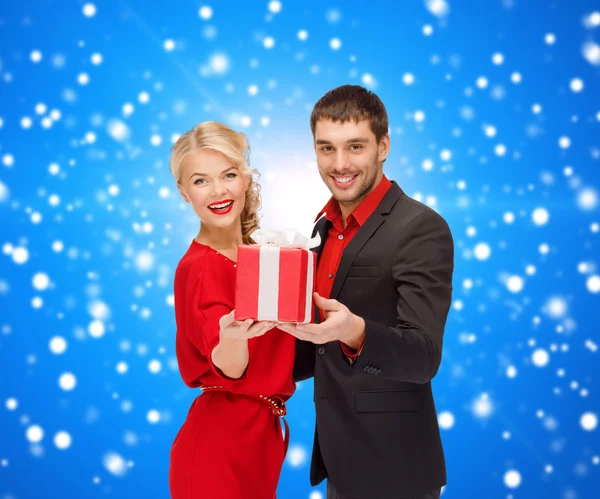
(275, 403)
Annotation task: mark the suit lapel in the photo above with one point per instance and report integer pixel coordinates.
(365, 232)
(322, 227)
(358, 241)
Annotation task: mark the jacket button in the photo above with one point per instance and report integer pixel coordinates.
(321, 350)
(377, 372)
(366, 369)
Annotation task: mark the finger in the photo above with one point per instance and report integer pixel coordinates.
(326, 303)
(261, 331)
(307, 337)
(286, 327)
(245, 325)
(313, 329)
(301, 335)
(227, 319)
(267, 323)
(258, 329)
(268, 327)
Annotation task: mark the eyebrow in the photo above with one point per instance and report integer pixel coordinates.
(349, 141)
(205, 175)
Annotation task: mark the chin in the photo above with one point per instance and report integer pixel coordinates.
(224, 220)
(344, 195)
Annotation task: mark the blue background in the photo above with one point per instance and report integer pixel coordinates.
(516, 390)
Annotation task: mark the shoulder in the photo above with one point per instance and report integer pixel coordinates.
(193, 263)
(414, 214)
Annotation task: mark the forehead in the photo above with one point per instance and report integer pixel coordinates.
(330, 130)
(206, 161)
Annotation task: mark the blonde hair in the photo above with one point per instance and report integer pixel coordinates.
(234, 145)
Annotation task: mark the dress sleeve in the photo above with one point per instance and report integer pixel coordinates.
(205, 304)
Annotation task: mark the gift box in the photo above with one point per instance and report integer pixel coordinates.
(275, 278)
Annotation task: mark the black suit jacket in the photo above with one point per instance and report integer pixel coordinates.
(376, 432)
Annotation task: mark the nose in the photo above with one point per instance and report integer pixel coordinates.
(341, 162)
(218, 189)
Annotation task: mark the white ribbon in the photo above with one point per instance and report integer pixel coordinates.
(287, 238)
(271, 242)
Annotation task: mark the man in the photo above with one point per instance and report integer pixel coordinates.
(384, 286)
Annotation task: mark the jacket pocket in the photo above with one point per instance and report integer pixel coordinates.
(389, 401)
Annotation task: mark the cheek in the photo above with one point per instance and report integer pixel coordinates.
(238, 188)
(198, 197)
(367, 160)
(322, 165)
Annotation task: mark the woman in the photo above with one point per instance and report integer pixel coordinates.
(231, 445)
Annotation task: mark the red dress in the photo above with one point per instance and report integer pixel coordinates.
(231, 445)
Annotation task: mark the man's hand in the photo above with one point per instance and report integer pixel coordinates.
(340, 324)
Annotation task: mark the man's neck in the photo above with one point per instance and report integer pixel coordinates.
(347, 209)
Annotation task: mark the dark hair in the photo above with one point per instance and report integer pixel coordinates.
(351, 102)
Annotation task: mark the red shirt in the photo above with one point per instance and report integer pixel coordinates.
(339, 237)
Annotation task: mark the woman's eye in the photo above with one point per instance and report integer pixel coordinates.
(231, 175)
(197, 182)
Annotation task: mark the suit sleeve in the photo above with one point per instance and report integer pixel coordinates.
(422, 273)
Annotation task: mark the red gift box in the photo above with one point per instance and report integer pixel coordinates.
(275, 284)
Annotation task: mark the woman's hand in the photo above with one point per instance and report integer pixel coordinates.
(243, 330)
(231, 355)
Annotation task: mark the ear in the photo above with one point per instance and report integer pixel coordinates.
(183, 194)
(384, 148)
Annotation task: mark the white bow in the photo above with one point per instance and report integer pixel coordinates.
(287, 238)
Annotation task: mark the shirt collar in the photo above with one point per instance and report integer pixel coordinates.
(363, 210)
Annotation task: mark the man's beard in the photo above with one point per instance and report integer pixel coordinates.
(363, 190)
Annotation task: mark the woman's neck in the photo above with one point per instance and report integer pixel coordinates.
(220, 238)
